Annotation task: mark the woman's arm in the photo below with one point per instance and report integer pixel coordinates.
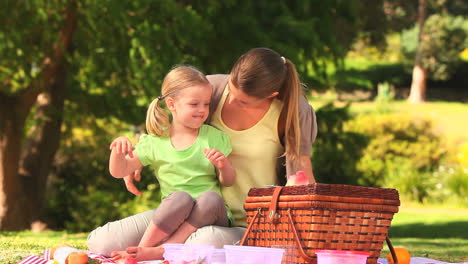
(308, 125)
(306, 166)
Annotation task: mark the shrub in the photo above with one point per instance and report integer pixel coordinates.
(336, 151)
(402, 152)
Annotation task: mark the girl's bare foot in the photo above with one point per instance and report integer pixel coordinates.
(139, 253)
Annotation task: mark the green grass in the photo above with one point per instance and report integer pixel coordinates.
(437, 233)
(433, 232)
(14, 246)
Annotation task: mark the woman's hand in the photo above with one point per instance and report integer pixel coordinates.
(122, 145)
(216, 157)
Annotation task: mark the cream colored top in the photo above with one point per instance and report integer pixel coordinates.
(254, 155)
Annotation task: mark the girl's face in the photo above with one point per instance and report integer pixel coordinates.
(190, 108)
(243, 100)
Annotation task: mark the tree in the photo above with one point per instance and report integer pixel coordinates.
(24, 77)
(441, 37)
(75, 63)
(418, 84)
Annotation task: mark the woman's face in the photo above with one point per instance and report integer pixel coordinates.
(243, 100)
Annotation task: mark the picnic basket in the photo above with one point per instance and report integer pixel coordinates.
(320, 216)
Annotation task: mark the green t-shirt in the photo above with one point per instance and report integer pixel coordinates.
(185, 170)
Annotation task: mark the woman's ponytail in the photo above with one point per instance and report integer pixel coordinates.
(157, 119)
(290, 94)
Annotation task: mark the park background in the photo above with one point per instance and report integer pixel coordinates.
(388, 80)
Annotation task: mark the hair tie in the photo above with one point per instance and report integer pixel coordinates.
(284, 60)
(161, 97)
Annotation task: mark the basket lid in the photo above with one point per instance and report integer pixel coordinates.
(339, 190)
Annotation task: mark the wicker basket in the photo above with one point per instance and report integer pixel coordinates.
(320, 216)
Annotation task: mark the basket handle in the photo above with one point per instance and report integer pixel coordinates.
(392, 250)
(298, 241)
(249, 228)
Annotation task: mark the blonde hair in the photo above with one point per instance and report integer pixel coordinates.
(261, 72)
(179, 78)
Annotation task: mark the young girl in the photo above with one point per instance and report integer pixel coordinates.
(184, 155)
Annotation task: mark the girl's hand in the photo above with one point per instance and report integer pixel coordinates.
(216, 157)
(122, 145)
(130, 184)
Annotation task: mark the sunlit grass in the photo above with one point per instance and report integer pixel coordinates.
(434, 232)
(14, 246)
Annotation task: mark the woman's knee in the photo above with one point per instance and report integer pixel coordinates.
(119, 235)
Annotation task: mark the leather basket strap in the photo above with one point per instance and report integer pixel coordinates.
(249, 228)
(392, 250)
(298, 240)
(272, 215)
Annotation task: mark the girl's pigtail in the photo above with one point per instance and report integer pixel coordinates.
(157, 119)
(291, 93)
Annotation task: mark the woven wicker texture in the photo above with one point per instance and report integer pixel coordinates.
(325, 216)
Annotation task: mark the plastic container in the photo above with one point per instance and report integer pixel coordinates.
(341, 257)
(218, 256)
(289, 255)
(182, 253)
(253, 255)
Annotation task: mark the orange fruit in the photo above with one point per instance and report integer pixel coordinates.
(52, 250)
(403, 256)
(77, 258)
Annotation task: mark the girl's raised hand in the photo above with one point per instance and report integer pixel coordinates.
(216, 157)
(122, 145)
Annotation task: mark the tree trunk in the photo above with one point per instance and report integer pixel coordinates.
(39, 151)
(12, 199)
(418, 84)
(17, 194)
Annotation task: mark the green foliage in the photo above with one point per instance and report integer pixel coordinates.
(401, 152)
(356, 77)
(385, 93)
(121, 51)
(336, 151)
(444, 38)
(82, 194)
(452, 177)
(457, 183)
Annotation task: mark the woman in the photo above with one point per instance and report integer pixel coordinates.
(260, 105)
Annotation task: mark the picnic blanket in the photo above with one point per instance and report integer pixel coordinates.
(420, 260)
(33, 259)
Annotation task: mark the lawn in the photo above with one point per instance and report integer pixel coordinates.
(433, 232)
(447, 117)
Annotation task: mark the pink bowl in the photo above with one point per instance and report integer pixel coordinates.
(341, 257)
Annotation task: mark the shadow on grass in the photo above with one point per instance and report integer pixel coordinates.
(441, 230)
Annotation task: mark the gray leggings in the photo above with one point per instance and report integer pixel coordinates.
(178, 207)
(120, 234)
